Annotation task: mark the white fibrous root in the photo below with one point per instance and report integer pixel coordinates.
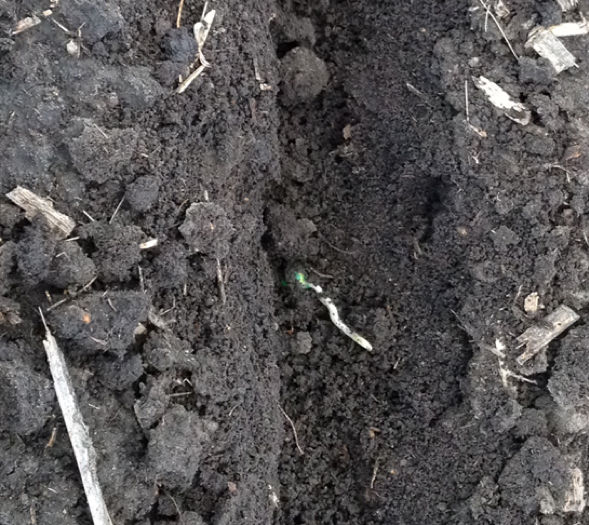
(333, 312)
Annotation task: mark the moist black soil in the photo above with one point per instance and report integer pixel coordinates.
(342, 139)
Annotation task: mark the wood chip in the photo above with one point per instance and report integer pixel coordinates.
(539, 336)
(77, 430)
(531, 303)
(34, 205)
(575, 494)
(502, 100)
(147, 245)
(548, 46)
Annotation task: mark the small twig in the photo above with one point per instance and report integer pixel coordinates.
(345, 252)
(112, 306)
(416, 91)
(34, 205)
(324, 275)
(168, 310)
(92, 219)
(179, 17)
(61, 26)
(488, 10)
(374, 473)
(233, 409)
(100, 130)
(141, 281)
(116, 210)
(480, 132)
(58, 303)
(77, 430)
(466, 103)
(88, 285)
(52, 438)
(190, 79)
(221, 282)
(294, 430)
(72, 295)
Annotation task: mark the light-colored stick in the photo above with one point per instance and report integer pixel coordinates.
(179, 17)
(190, 79)
(221, 283)
(466, 102)
(116, 210)
(539, 336)
(77, 430)
(294, 430)
(33, 205)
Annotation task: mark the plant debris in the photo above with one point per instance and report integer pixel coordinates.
(201, 32)
(35, 205)
(548, 46)
(333, 312)
(77, 430)
(497, 96)
(539, 336)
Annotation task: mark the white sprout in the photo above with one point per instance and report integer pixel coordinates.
(333, 313)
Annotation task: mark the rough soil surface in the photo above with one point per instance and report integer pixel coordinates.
(330, 138)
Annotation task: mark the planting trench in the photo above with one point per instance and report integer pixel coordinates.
(331, 138)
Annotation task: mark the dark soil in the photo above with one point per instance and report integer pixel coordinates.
(327, 137)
